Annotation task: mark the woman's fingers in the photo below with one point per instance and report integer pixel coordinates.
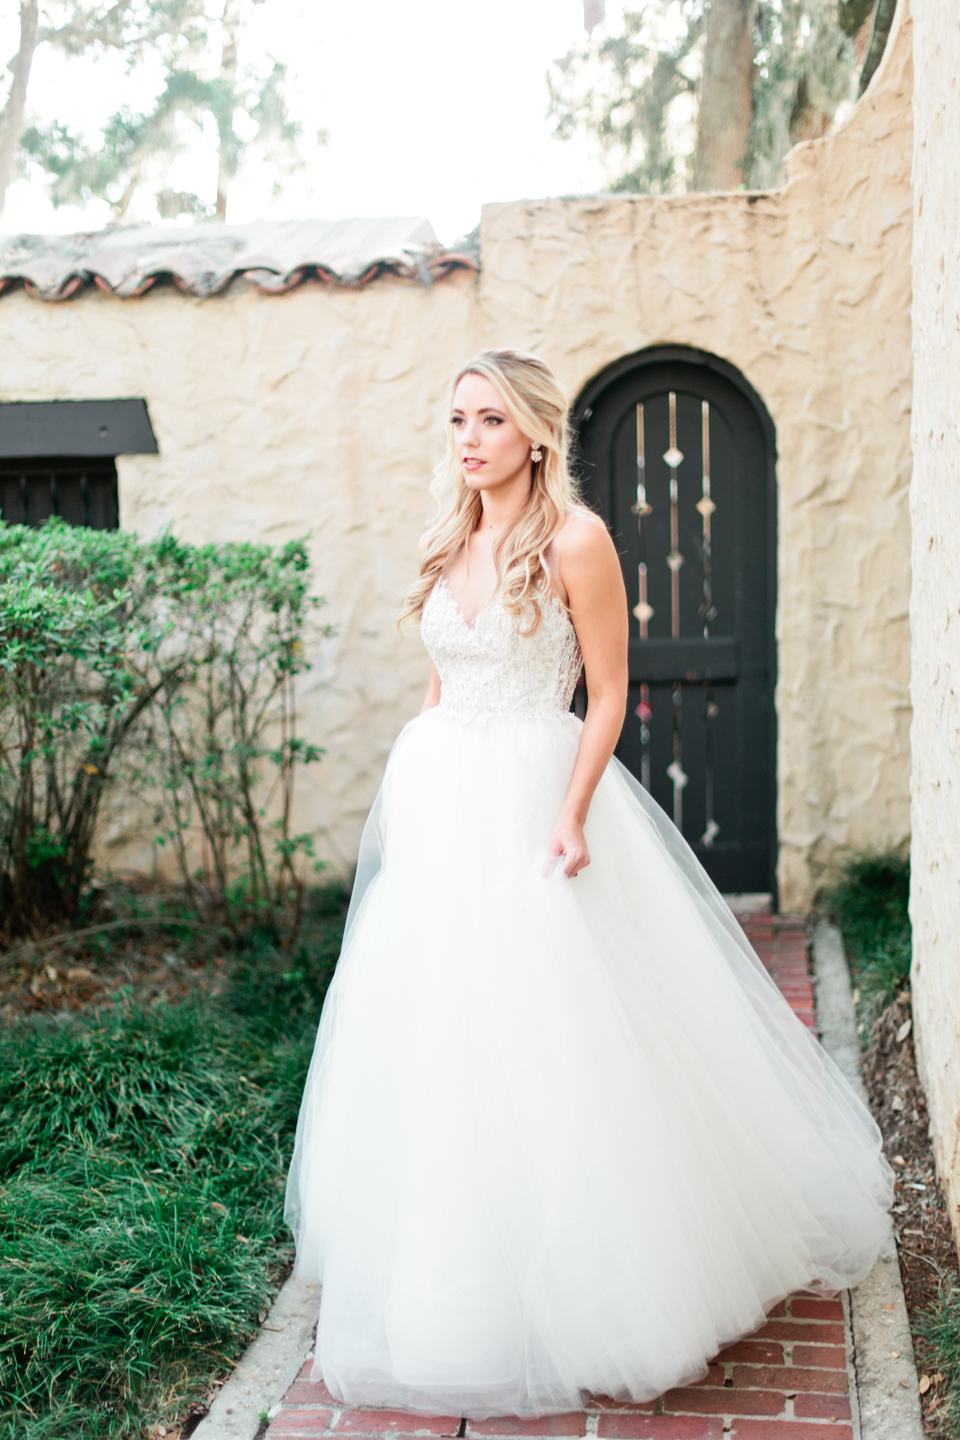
(574, 862)
(567, 849)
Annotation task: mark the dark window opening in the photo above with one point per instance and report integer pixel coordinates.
(81, 489)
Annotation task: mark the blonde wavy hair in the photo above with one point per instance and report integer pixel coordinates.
(538, 407)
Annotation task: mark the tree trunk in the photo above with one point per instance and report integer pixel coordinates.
(726, 104)
(882, 25)
(227, 164)
(11, 120)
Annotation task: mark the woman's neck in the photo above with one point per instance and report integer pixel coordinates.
(501, 507)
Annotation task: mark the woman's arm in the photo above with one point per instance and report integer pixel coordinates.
(589, 572)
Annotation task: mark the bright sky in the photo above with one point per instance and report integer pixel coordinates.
(432, 109)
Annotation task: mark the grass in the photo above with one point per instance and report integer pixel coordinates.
(939, 1332)
(869, 903)
(142, 1161)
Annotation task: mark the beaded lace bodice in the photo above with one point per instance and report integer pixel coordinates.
(489, 669)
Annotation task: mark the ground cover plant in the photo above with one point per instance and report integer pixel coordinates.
(869, 903)
(938, 1331)
(143, 1148)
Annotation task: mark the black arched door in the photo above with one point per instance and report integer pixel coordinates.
(678, 456)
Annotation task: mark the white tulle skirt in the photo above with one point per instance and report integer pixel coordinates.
(559, 1136)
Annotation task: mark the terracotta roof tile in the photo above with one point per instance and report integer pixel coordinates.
(275, 255)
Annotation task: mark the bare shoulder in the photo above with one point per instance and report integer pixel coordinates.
(587, 564)
(585, 543)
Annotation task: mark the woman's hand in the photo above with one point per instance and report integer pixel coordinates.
(567, 847)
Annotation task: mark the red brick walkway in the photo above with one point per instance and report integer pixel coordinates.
(786, 1382)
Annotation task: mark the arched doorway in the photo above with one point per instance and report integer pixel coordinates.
(678, 454)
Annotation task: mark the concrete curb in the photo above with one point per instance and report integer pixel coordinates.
(886, 1376)
(268, 1367)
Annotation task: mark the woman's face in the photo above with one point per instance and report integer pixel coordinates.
(490, 446)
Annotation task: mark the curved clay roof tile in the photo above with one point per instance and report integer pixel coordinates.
(202, 260)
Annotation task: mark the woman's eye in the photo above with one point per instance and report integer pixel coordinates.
(457, 420)
(493, 420)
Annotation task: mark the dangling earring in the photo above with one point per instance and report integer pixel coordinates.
(536, 454)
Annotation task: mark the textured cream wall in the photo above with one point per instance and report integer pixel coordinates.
(322, 410)
(935, 600)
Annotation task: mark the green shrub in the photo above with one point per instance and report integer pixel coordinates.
(215, 732)
(171, 667)
(78, 642)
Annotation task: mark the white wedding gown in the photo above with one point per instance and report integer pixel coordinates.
(558, 1136)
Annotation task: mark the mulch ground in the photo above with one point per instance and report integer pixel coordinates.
(925, 1243)
(53, 975)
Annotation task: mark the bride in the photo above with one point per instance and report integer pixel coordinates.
(561, 1134)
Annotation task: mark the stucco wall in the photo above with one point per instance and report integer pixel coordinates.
(322, 410)
(935, 600)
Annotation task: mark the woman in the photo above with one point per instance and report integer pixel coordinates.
(561, 1133)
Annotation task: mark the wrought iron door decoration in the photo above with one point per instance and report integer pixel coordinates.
(708, 612)
(643, 610)
(673, 458)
